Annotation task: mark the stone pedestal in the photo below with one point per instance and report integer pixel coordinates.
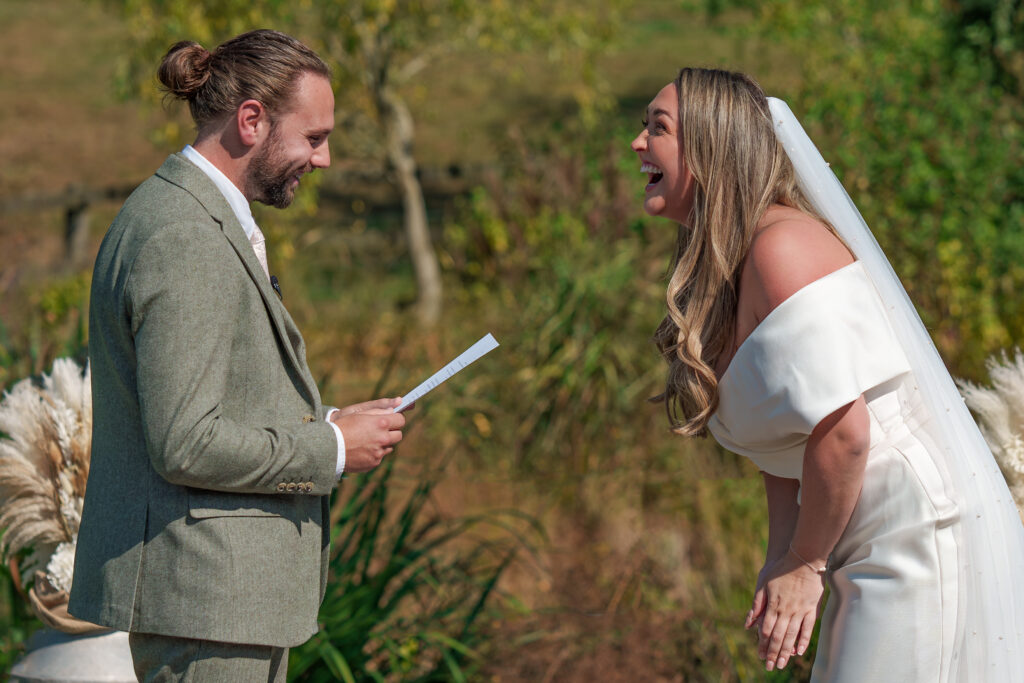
(55, 657)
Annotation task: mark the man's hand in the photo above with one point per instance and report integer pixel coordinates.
(376, 404)
(371, 430)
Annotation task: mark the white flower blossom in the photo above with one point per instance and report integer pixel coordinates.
(61, 566)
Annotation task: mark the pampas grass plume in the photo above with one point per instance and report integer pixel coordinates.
(999, 410)
(44, 465)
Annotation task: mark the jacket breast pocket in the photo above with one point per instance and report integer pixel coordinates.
(207, 504)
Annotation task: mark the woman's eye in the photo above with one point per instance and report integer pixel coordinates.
(643, 123)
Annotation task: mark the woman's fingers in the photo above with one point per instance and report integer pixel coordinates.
(789, 636)
(775, 642)
(756, 610)
(788, 647)
(768, 622)
(806, 629)
(785, 630)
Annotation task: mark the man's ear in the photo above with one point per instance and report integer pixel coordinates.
(252, 121)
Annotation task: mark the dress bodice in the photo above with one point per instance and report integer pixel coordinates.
(820, 349)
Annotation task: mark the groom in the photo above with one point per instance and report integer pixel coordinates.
(205, 526)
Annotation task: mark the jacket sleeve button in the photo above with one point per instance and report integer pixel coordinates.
(282, 487)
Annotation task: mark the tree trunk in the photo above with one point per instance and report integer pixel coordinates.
(399, 130)
(76, 233)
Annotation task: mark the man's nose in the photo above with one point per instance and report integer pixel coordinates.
(321, 157)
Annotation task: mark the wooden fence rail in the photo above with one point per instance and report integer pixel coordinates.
(374, 187)
(74, 202)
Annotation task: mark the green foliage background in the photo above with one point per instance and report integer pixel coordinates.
(917, 104)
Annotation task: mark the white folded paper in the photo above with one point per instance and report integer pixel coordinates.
(484, 345)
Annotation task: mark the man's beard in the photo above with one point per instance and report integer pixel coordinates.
(269, 177)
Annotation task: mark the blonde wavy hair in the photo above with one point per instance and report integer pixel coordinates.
(728, 143)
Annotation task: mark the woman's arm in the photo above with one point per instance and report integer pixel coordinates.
(789, 251)
(782, 516)
(833, 472)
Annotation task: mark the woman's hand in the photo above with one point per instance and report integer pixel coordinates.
(762, 576)
(785, 608)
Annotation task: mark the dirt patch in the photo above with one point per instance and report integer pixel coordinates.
(59, 121)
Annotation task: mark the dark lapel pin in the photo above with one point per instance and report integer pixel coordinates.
(277, 286)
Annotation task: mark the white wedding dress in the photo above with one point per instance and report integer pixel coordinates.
(926, 580)
(892, 610)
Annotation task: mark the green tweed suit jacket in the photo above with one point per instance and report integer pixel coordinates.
(205, 513)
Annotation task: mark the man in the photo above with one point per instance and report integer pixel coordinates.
(205, 526)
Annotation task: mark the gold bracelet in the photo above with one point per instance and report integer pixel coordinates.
(820, 571)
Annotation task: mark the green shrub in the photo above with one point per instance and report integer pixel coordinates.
(406, 588)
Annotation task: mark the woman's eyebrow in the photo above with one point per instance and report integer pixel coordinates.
(655, 112)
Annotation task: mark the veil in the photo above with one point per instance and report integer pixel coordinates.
(990, 620)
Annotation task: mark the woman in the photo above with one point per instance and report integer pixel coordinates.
(799, 350)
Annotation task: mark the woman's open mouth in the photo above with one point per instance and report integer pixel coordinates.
(654, 175)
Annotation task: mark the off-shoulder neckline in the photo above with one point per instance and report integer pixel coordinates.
(772, 313)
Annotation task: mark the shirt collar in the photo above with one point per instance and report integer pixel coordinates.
(236, 200)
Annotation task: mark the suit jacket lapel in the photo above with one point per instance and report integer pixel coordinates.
(182, 172)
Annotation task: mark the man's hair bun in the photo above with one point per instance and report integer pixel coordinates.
(185, 69)
(261, 65)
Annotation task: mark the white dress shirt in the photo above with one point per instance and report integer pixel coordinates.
(240, 207)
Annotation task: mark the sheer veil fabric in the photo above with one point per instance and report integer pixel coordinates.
(990, 619)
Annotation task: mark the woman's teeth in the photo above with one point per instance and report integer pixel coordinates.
(653, 172)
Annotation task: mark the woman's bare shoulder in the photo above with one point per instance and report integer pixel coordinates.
(789, 251)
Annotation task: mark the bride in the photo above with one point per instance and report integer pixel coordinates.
(791, 341)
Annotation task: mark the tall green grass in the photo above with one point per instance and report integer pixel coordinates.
(17, 622)
(407, 587)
